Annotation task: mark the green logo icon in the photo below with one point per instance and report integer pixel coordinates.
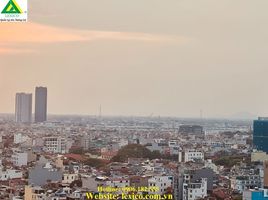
(12, 8)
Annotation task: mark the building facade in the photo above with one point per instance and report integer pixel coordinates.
(191, 129)
(55, 144)
(255, 194)
(195, 189)
(260, 134)
(163, 183)
(23, 108)
(10, 174)
(259, 156)
(190, 156)
(241, 183)
(40, 104)
(34, 193)
(20, 159)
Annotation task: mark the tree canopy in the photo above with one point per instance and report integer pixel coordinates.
(135, 151)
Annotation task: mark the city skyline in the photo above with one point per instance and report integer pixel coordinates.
(175, 60)
(43, 98)
(133, 99)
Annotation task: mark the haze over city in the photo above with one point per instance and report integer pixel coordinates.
(139, 57)
(141, 99)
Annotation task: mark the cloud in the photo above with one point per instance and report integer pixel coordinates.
(31, 33)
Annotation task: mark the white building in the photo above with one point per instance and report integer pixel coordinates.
(17, 198)
(69, 178)
(174, 143)
(118, 183)
(39, 142)
(9, 174)
(195, 190)
(122, 143)
(161, 182)
(211, 165)
(161, 147)
(55, 144)
(19, 138)
(241, 183)
(191, 156)
(20, 159)
(174, 147)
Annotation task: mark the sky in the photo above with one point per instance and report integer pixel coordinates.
(139, 58)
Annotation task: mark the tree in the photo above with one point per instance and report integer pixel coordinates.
(135, 151)
(77, 150)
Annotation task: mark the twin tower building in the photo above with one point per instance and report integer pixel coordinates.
(23, 107)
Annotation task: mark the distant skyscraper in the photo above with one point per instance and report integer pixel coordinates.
(260, 134)
(23, 108)
(40, 104)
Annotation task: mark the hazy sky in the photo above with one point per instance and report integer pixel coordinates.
(137, 57)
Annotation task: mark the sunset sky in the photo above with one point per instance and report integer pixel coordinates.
(138, 57)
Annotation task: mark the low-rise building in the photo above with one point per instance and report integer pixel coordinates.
(191, 156)
(55, 144)
(118, 182)
(10, 174)
(161, 182)
(195, 190)
(20, 159)
(241, 183)
(69, 178)
(261, 194)
(34, 193)
(259, 156)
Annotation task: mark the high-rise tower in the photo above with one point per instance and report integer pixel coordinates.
(260, 134)
(40, 104)
(23, 108)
